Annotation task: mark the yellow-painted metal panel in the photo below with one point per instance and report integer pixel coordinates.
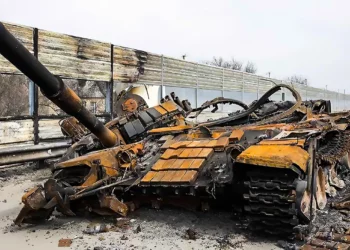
(278, 156)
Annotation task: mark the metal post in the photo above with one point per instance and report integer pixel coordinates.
(313, 145)
(222, 90)
(34, 93)
(242, 87)
(31, 97)
(338, 106)
(162, 91)
(109, 99)
(109, 92)
(197, 85)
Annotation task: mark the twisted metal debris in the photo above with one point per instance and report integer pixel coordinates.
(275, 167)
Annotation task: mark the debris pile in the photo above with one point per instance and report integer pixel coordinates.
(328, 240)
(342, 205)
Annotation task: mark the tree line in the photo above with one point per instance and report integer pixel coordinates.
(249, 67)
(234, 64)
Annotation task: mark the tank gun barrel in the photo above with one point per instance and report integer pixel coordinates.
(52, 87)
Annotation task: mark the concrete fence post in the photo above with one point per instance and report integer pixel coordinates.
(162, 90)
(197, 85)
(109, 89)
(257, 92)
(35, 92)
(242, 87)
(223, 88)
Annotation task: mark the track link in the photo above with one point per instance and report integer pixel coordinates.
(270, 200)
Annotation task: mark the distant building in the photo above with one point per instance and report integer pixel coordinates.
(93, 96)
(91, 93)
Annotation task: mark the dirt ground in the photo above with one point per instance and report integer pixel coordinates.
(163, 229)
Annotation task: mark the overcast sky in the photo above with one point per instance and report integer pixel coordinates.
(303, 37)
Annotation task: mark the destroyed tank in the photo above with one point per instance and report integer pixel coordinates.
(272, 162)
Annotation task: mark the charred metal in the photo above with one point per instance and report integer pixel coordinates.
(274, 162)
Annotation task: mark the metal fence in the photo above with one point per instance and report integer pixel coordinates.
(200, 82)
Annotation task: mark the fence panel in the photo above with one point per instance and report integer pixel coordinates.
(16, 131)
(74, 57)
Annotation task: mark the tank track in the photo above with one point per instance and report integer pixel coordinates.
(336, 146)
(270, 200)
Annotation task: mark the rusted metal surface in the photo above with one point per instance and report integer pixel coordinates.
(130, 105)
(278, 159)
(128, 102)
(112, 203)
(72, 128)
(195, 159)
(65, 242)
(341, 205)
(165, 156)
(33, 200)
(74, 57)
(328, 240)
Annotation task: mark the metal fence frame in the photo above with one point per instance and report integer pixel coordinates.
(340, 101)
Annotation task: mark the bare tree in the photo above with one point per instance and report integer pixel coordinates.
(232, 64)
(235, 64)
(218, 61)
(297, 79)
(250, 68)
